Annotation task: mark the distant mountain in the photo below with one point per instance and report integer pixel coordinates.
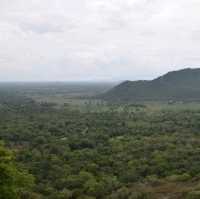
(181, 85)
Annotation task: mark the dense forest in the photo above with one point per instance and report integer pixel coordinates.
(111, 151)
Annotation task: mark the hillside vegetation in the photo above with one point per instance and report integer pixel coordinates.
(180, 85)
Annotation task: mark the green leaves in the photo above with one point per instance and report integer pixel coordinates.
(12, 181)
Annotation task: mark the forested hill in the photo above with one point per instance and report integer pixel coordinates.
(176, 85)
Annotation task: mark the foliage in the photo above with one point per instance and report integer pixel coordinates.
(13, 182)
(117, 152)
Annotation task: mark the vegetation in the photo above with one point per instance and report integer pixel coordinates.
(98, 150)
(180, 85)
(14, 183)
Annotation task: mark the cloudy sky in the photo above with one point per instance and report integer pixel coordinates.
(97, 39)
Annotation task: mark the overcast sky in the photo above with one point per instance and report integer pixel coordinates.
(97, 39)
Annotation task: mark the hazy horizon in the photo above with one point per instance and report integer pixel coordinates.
(90, 81)
(97, 40)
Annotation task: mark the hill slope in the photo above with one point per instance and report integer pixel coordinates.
(177, 85)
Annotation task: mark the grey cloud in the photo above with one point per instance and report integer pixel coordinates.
(97, 39)
(41, 28)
